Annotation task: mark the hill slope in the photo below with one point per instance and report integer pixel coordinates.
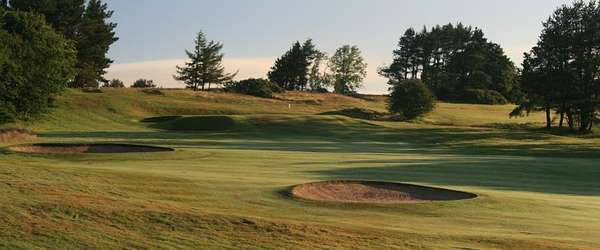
(122, 109)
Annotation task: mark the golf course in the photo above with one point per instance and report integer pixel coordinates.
(221, 170)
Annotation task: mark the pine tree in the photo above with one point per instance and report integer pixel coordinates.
(87, 26)
(95, 37)
(64, 16)
(205, 65)
(561, 73)
(454, 60)
(291, 71)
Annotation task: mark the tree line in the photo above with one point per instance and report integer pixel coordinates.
(561, 74)
(457, 63)
(302, 68)
(47, 45)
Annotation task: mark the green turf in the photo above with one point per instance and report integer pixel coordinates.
(228, 188)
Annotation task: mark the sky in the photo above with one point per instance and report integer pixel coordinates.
(155, 33)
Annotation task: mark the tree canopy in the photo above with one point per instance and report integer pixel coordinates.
(291, 71)
(87, 25)
(205, 65)
(35, 64)
(348, 69)
(451, 59)
(562, 73)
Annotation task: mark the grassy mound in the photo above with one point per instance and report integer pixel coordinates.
(276, 124)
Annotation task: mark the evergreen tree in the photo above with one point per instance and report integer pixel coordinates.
(95, 37)
(87, 26)
(291, 71)
(453, 60)
(64, 16)
(205, 65)
(562, 72)
(348, 69)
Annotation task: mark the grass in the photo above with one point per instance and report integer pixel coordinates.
(228, 188)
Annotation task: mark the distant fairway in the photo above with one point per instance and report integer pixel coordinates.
(227, 183)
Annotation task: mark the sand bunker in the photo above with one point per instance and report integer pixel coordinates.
(86, 148)
(375, 192)
(7, 135)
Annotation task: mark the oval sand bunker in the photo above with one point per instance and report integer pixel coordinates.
(86, 148)
(375, 192)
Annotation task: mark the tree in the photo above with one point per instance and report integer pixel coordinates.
(348, 69)
(291, 71)
(35, 64)
(143, 84)
(411, 99)
(205, 65)
(318, 77)
(453, 60)
(65, 16)
(114, 83)
(95, 37)
(562, 72)
(87, 26)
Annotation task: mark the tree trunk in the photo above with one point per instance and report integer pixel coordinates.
(570, 120)
(562, 119)
(548, 118)
(584, 123)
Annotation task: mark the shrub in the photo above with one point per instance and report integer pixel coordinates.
(114, 83)
(484, 96)
(411, 99)
(35, 64)
(143, 84)
(254, 87)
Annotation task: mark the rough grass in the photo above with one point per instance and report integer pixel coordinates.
(227, 189)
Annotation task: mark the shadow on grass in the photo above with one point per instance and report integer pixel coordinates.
(459, 159)
(515, 174)
(462, 141)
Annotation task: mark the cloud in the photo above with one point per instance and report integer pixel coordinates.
(161, 71)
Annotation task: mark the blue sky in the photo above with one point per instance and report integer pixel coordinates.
(154, 33)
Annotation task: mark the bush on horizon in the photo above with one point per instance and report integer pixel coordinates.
(254, 87)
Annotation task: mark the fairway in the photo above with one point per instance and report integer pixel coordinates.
(230, 187)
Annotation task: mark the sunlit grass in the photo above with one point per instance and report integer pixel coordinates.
(227, 188)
